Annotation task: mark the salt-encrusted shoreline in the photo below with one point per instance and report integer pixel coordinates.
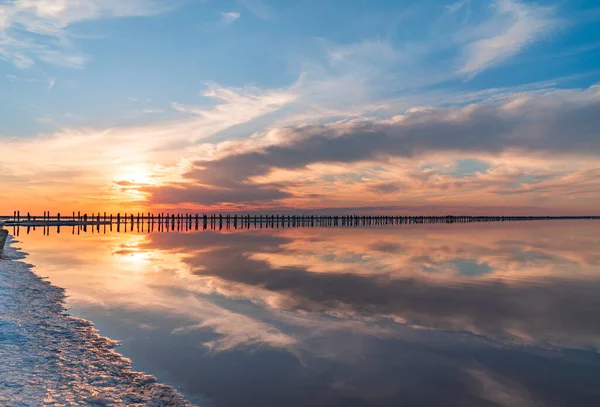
(50, 358)
(3, 238)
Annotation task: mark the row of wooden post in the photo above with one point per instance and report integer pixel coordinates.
(170, 225)
(318, 220)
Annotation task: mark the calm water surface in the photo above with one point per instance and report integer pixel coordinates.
(413, 315)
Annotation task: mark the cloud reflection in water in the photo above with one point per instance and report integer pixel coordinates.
(416, 315)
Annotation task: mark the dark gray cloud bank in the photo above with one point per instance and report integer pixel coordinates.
(556, 123)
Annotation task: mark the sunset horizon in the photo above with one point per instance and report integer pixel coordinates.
(329, 203)
(493, 120)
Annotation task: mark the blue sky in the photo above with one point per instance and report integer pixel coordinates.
(249, 66)
(171, 53)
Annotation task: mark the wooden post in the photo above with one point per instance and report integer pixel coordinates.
(3, 237)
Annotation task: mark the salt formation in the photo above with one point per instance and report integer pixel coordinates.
(3, 237)
(49, 358)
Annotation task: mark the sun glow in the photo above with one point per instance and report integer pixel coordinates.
(138, 175)
(137, 259)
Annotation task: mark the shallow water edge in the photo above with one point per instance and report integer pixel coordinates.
(51, 358)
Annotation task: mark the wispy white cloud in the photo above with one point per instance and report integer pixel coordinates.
(139, 100)
(45, 120)
(457, 5)
(63, 58)
(38, 29)
(235, 106)
(137, 113)
(152, 111)
(229, 17)
(4, 18)
(512, 27)
(15, 78)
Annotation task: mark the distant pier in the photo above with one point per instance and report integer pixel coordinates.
(218, 221)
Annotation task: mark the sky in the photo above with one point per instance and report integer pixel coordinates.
(416, 107)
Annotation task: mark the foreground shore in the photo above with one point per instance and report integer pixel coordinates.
(50, 358)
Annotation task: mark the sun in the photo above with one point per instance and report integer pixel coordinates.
(138, 175)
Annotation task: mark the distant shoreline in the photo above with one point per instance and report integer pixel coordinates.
(196, 222)
(317, 220)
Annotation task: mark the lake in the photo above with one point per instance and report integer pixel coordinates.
(494, 314)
